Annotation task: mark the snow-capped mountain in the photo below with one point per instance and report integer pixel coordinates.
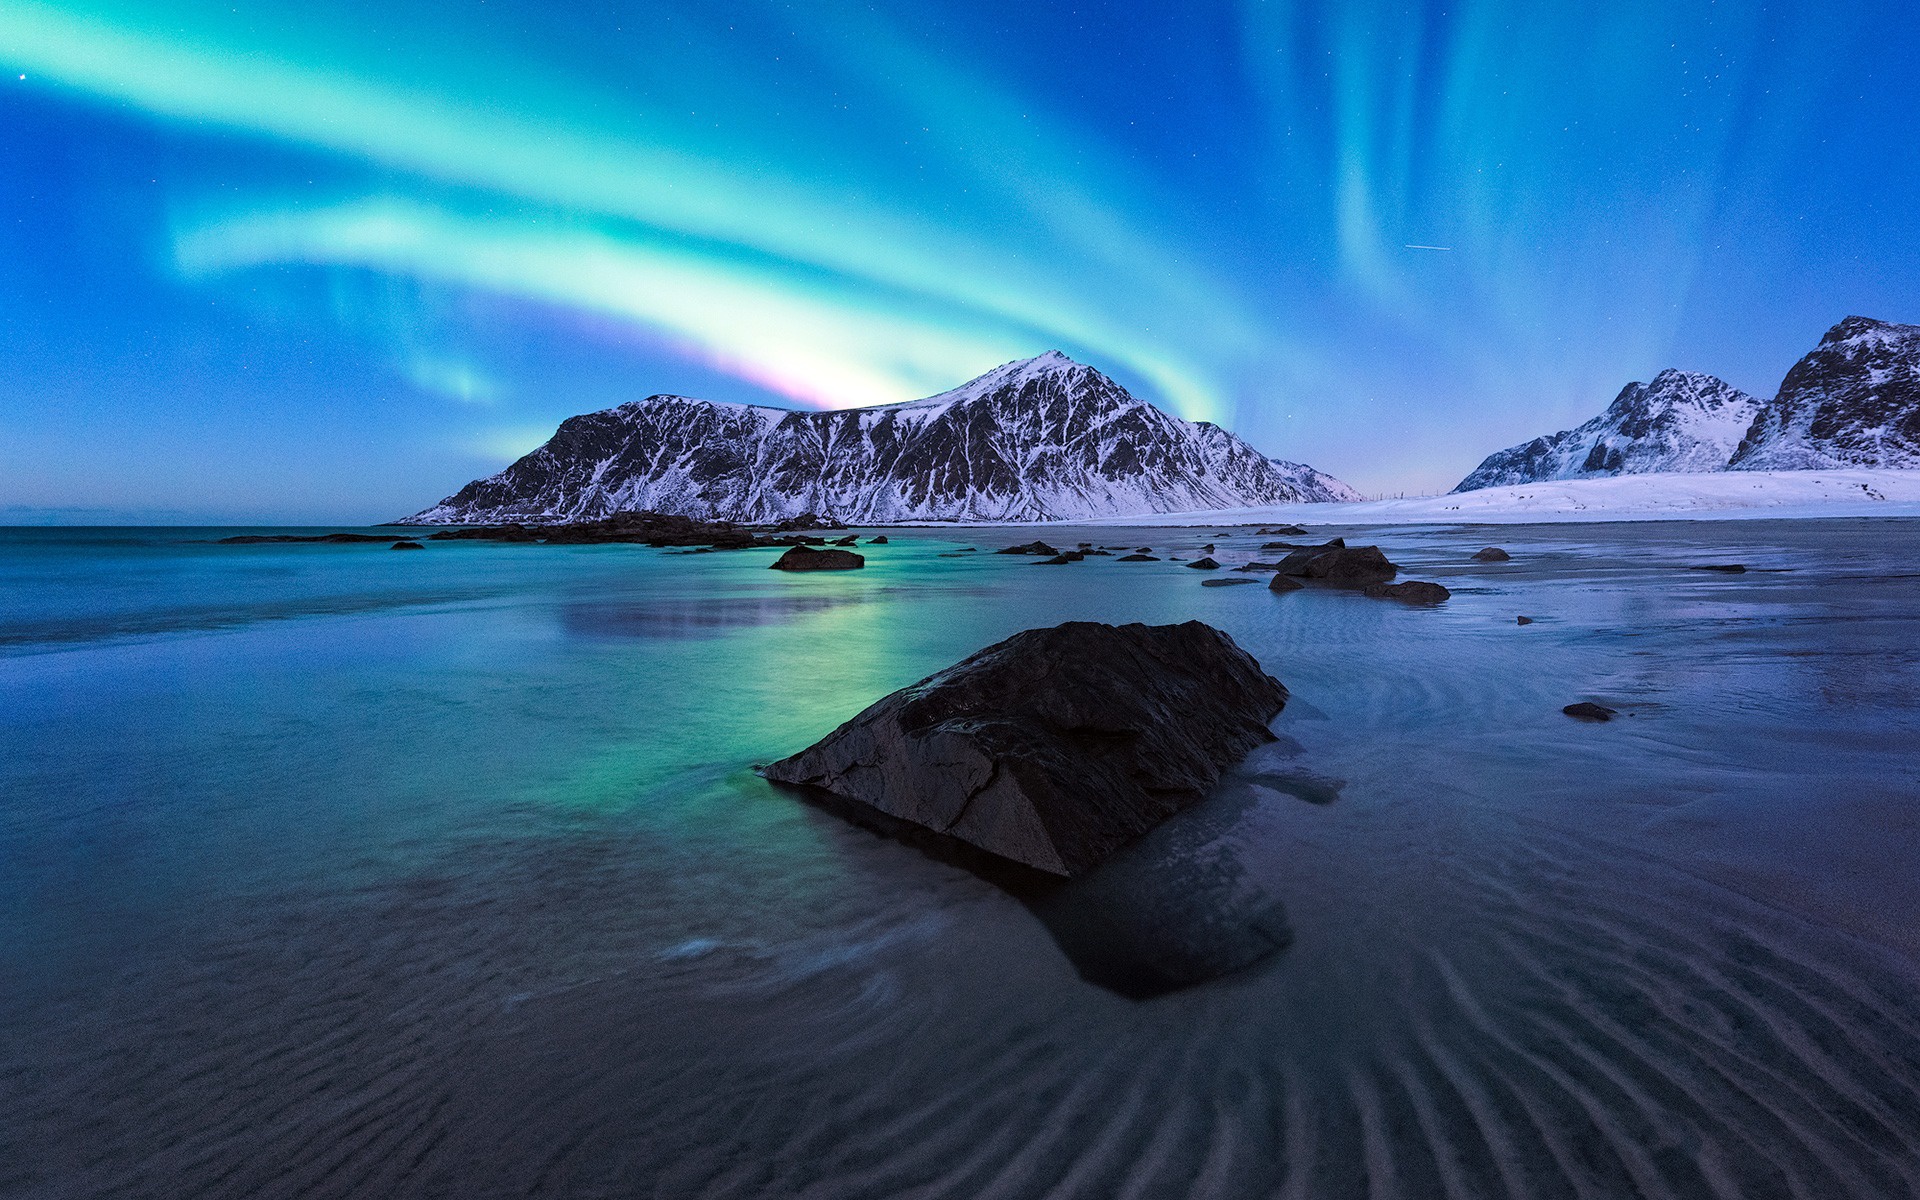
(1853, 402)
(1321, 488)
(1046, 438)
(1682, 421)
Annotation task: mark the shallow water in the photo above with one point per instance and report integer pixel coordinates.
(331, 871)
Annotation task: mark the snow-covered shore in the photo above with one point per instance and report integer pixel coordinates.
(1719, 495)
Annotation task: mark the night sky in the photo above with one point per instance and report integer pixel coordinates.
(327, 261)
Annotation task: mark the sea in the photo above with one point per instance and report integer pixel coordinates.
(334, 871)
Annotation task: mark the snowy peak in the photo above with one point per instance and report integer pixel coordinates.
(1854, 328)
(1679, 421)
(1044, 438)
(1051, 367)
(1853, 402)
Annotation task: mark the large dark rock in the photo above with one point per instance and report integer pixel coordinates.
(1137, 558)
(1040, 548)
(1413, 591)
(1053, 749)
(1492, 554)
(1587, 710)
(408, 546)
(806, 558)
(1284, 583)
(1340, 564)
(1203, 564)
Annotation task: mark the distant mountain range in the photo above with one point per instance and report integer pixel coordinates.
(1043, 439)
(1853, 402)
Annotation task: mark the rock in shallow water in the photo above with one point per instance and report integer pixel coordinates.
(1053, 749)
(1587, 710)
(1413, 591)
(805, 558)
(1340, 564)
(1492, 554)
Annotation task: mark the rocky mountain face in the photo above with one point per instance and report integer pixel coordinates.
(1681, 421)
(1853, 402)
(1042, 439)
(1318, 486)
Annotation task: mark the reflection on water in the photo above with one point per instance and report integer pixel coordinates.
(446, 874)
(691, 617)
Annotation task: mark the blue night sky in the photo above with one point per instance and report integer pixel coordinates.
(327, 261)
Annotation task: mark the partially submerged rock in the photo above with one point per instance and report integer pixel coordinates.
(881, 540)
(1284, 583)
(849, 540)
(1223, 582)
(1523, 620)
(1204, 564)
(1339, 564)
(1413, 591)
(407, 546)
(1040, 548)
(1053, 749)
(328, 539)
(1137, 558)
(1587, 710)
(806, 558)
(1492, 554)
(1723, 568)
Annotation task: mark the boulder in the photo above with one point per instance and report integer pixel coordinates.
(1587, 710)
(877, 541)
(1058, 560)
(1413, 591)
(1492, 554)
(1284, 583)
(1339, 564)
(807, 520)
(1224, 582)
(1281, 531)
(1137, 558)
(806, 558)
(849, 540)
(1051, 750)
(1204, 564)
(1523, 620)
(408, 546)
(1040, 548)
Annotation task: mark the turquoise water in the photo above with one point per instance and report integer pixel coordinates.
(326, 870)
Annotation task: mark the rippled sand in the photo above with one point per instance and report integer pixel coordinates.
(420, 939)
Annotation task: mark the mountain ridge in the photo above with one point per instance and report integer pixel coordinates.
(1044, 438)
(1853, 401)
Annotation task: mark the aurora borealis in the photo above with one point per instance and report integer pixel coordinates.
(330, 260)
